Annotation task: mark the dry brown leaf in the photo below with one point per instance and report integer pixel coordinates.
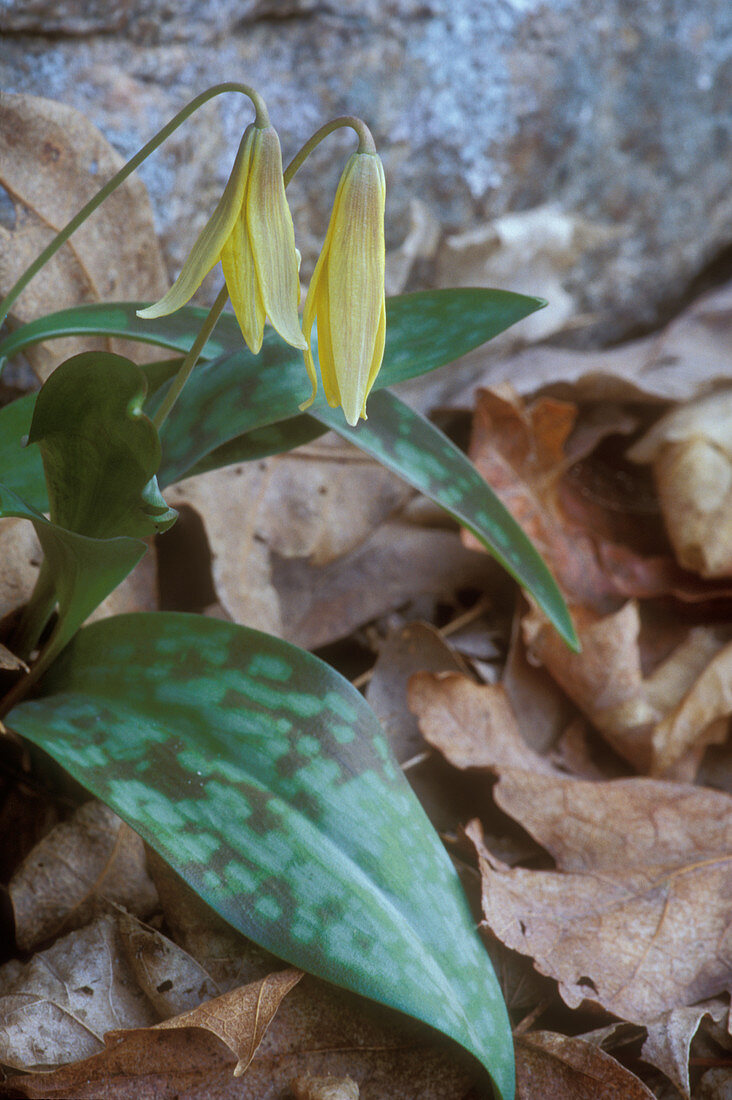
(10, 662)
(691, 452)
(20, 559)
(171, 979)
(558, 1067)
(56, 1008)
(670, 1036)
(53, 161)
(597, 525)
(324, 1088)
(318, 1031)
(636, 917)
(661, 722)
(472, 725)
(92, 855)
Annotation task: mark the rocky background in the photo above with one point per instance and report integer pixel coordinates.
(575, 149)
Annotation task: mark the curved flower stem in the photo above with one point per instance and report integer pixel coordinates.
(262, 119)
(366, 142)
(186, 367)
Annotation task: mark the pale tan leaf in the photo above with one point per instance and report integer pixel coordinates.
(92, 855)
(9, 661)
(557, 1067)
(324, 1088)
(53, 161)
(701, 717)
(669, 1039)
(20, 559)
(56, 1008)
(472, 725)
(636, 916)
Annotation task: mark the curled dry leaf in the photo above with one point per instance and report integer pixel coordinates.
(598, 527)
(325, 1088)
(93, 855)
(472, 725)
(317, 555)
(636, 916)
(691, 452)
(56, 1008)
(557, 1067)
(53, 161)
(669, 1039)
(660, 723)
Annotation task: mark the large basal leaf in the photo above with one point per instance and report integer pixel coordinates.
(21, 467)
(407, 443)
(84, 570)
(265, 780)
(100, 452)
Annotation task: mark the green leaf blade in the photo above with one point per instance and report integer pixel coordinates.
(407, 443)
(266, 781)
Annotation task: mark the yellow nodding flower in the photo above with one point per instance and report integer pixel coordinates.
(251, 232)
(346, 293)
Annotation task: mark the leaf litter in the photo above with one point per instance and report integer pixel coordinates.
(601, 865)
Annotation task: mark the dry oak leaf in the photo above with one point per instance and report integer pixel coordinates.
(691, 452)
(53, 161)
(472, 725)
(602, 544)
(669, 1039)
(657, 722)
(559, 1067)
(177, 1057)
(637, 915)
(92, 855)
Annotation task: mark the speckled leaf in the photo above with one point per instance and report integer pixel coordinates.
(100, 452)
(232, 391)
(407, 443)
(84, 570)
(265, 780)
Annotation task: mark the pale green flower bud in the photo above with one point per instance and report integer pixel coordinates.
(251, 232)
(346, 293)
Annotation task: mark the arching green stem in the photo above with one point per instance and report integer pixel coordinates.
(262, 119)
(366, 142)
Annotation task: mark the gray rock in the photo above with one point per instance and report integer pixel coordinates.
(613, 115)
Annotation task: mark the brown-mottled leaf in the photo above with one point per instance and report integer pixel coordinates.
(472, 725)
(56, 1008)
(691, 452)
(636, 916)
(93, 855)
(558, 1067)
(658, 722)
(53, 161)
(670, 1036)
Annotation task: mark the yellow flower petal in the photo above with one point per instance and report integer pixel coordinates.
(237, 262)
(272, 237)
(207, 249)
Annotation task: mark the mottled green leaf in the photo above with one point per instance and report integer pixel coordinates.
(81, 571)
(265, 780)
(100, 452)
(407, 443)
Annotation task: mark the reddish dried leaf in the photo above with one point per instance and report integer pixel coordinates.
(636, 917)
(557, 1067)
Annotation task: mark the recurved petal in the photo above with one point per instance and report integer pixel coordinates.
(237, 262)
(207, 249)
(272, 237)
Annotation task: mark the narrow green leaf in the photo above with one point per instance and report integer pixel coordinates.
(84, 570)
(100, 452)
(407, 443)
(265, 780)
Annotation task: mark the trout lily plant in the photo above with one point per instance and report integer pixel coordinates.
(250, 765)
